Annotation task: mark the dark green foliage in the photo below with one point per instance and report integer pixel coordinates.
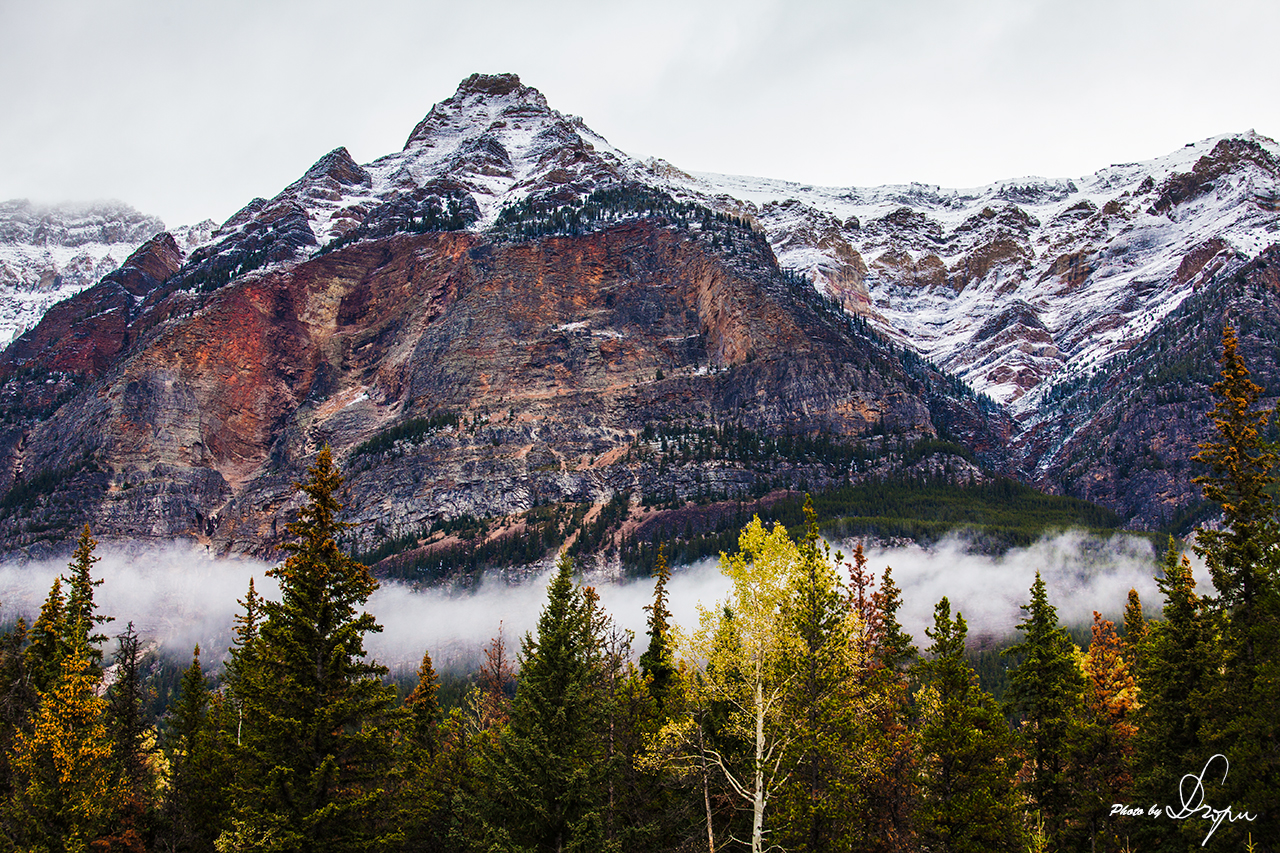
(315, 735)
(410, 431)
(967, 789)
(1046, 691)
(80, 585)
(198, 746)
(657, 662)
(544, 784)
(540, 216)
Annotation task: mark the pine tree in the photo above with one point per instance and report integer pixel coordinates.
(1045, 692)
(133, 743)
(80, 586)
(891, 744)
(656, 662)
(1240, 702)
(18, 697)
(543, 787)
(48, 645)
(421, 793)
(65, 793)
(316, 735)
(198, 750)
(1102, 742)
(1176, 661)
(968, 795)
(1242, 557)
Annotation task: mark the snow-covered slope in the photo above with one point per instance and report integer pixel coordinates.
(1012, 286)
(1024, 282)
(48, 254)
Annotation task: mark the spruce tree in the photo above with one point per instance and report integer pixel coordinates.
(1240, 702)
(968, 800)
(80, 586)
(1102, 742)
(1176, 661)
(656, 662)
(543, 786)
(66, 795)
(197, 747)
(816, 806)
(315, 736)
(1046, 689)
(1243, 555)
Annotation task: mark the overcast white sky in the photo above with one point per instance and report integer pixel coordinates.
(189, 109)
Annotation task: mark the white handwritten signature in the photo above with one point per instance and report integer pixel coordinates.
(1193, 804)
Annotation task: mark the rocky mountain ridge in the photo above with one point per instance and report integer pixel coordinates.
(498, 317)
(48, 254)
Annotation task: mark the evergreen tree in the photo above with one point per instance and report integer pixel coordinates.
(48, 645)
(17, 697)
(316, 739)
(422, 794)
(543, 787)
(1240, 702)
(889, 741)
(1136, 631)
(1242, 557)
(968, 795)
(66, 795)
(1176, 661)
(198, 751)
(132, 743)
(1045, 692)
(1102, 743)
(80, 585)
(656, 662)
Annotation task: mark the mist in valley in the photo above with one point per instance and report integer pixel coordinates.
(177, 596)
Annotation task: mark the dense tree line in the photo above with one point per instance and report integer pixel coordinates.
(795, 715)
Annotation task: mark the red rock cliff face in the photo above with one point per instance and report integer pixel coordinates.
(554, 353)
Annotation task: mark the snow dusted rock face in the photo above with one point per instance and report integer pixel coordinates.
(50, 253)
(1022, 284)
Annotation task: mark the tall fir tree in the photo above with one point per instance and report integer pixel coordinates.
(1101, 760)
(1046, 689)
(1240, 702)
(66, 794)
(198, 751)
(968, 801)
(316, 735)
(657, 662)
(544, 784)
(1176, 660)
(80, 586)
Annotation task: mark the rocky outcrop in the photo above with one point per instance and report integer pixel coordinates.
(553, 355)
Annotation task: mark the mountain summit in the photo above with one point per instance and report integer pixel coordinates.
(509, 321)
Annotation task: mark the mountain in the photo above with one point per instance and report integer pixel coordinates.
(512, 333)
(470, 346)
(50, 253)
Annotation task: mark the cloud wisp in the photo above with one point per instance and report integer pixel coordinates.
(180, 596)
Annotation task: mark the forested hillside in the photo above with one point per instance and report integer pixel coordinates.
(796, 715)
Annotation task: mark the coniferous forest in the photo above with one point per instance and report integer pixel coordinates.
(797, 715)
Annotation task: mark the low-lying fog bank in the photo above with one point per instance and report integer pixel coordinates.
(181, 596)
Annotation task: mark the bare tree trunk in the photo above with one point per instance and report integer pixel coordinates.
(706, 792)
(757, 801)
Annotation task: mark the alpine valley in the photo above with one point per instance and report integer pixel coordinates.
(515, 336)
